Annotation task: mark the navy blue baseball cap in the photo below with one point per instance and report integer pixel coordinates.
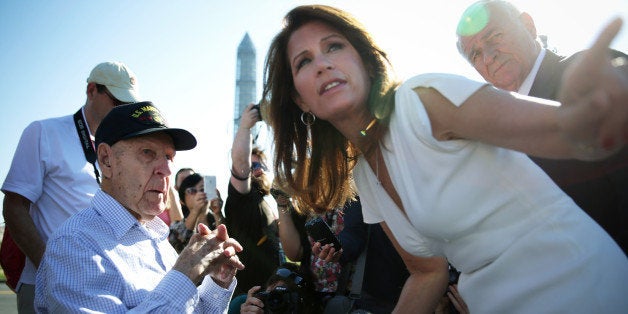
(140, 118)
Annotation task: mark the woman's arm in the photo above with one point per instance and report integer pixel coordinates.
(288, 233)
(241, 151)
(426, 284)
(499, 118)
(591, 123)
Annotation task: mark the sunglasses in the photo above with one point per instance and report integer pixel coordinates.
(115, 100)
(193, 191)
(288, 274)
(258, 165)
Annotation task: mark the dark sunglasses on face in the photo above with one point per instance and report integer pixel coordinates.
(193, 191)
(115, 100)
(257, 165)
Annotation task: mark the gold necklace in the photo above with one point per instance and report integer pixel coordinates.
(370, 125)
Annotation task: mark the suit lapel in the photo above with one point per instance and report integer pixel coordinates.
(547, 80)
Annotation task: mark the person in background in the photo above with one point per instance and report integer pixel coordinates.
(54, 173)
(323, 264)
(439, 162)
(214, 216)
(192, 186)
(249, 217)
(196, 209)
(173, 212)
(501, 43)
(286, 291)
(384, 272)
(181, 175)
(117, 250)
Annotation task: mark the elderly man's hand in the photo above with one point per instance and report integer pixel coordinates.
(210, 253)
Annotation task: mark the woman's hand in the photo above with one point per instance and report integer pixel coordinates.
(250, 116)
(252, 304)
(215, 204)
(199, 205)
(594, 97)
(326, 252)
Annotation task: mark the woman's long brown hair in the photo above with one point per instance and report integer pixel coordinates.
(316, 169)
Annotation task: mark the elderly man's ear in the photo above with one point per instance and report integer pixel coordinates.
(104, 156)
(528, 23)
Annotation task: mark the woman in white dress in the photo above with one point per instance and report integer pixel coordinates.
(439, 161)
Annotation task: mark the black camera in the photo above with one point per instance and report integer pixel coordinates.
(279, 300)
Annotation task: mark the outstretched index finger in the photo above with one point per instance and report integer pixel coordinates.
(603, 41)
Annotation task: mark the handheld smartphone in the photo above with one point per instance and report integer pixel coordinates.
(210, 186)
(318, 229)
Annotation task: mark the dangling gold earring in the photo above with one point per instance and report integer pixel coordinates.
(368, 127)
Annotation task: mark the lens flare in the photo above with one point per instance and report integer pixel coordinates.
(473, 20)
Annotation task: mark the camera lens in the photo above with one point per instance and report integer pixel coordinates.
(278, 300)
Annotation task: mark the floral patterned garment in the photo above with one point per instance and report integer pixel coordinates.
(326, 274)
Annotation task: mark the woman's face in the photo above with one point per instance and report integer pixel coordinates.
(195, 196)
(329, 76)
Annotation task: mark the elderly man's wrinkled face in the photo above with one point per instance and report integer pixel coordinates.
(140, 173)
(504, 51)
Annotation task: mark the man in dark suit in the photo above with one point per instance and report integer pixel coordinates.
(501, 43)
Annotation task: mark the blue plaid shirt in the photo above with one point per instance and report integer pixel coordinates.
(103, 260)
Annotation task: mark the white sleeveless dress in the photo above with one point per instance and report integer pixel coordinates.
(522, 245)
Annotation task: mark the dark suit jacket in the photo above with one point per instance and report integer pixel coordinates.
(600, 188)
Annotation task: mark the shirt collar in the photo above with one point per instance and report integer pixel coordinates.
(119, 218)
(526, 86)
(89, 131)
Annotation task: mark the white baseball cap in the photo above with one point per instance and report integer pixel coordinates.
(118, 78)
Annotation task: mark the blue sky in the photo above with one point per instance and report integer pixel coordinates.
(184, 54)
